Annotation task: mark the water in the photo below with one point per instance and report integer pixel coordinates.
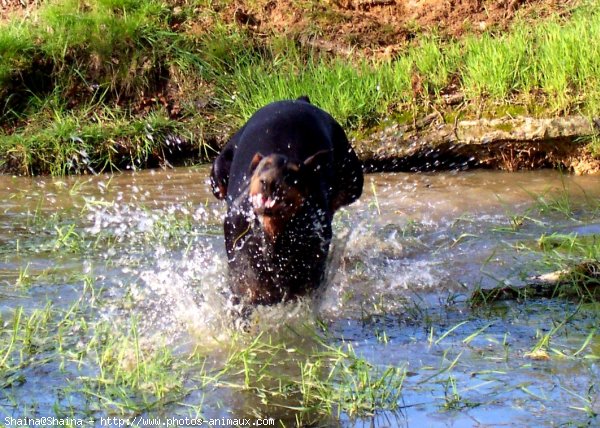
(146, 249)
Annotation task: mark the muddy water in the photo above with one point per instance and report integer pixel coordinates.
(404, 261)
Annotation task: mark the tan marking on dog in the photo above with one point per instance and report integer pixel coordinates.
(272, 226)
(255, 187)
(255, 161)
(275, 224)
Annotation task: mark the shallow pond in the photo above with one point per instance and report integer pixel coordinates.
(112, 302)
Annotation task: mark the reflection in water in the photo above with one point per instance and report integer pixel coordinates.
(403, 260)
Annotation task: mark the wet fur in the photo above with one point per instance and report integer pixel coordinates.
(283, 175)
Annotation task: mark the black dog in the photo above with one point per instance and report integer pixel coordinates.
(283, 174)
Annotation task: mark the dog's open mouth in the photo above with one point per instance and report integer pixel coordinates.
(265, 205)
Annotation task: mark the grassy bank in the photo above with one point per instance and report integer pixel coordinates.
(113, 83)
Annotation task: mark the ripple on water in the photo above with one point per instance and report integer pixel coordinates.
(154, 243)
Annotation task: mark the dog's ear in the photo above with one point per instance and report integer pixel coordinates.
(313, 163)
(255, 161)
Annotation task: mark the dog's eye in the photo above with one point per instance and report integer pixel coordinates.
(290, 180)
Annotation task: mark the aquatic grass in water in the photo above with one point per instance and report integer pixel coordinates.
(314, 380)
(109, 226)
(38, 338)
(576, 259)
(132, 377)
(114, 371)
(137, 333)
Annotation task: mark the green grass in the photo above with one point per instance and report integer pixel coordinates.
(558, 58)
(106, 44)
(16, 44)
(350, 93)
(67, 78)
(131, 376)
(435, 61)
(492, 65)
(63, 142)
(594, 147)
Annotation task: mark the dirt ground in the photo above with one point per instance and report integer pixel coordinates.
(10, 8)
(382, 27)
(379, 27)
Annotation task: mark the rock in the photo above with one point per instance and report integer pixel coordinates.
(507, 143)
(486, 131)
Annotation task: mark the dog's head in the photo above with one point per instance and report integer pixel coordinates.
(279, 187)
(276, 188)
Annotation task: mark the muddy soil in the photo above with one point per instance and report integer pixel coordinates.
(381, 27)
(14, 8)
(378, 26)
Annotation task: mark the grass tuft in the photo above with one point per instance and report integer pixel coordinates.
(327, 380)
